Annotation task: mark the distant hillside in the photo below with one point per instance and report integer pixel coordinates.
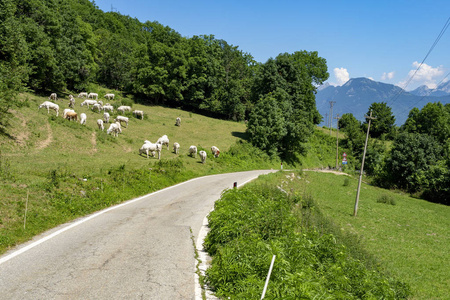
(357, 94)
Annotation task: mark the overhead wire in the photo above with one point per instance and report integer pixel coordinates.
(428, 94)
(444, 28)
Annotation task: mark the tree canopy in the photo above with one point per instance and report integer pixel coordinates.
(55, 46)
(290, 80)
(384, 122)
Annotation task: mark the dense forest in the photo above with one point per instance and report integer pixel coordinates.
(55, 45)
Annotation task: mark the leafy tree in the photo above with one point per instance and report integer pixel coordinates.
(355, 136)
(412, 157)
(13, 56)
(348, 121)
(432, 119)
(291, 79)
(411, 122)
(266, 125)
(384, 124)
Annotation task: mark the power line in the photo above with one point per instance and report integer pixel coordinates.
(429, 92)
(420, 65)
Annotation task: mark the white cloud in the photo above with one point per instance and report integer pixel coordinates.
(341, 75)
(426, 75)
(371, 78)
(386, 76)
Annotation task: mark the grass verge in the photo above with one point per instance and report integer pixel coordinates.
(270, 217)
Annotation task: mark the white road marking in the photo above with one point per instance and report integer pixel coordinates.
(85, 219)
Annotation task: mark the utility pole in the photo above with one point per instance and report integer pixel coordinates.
(337, 140)
(326, 118)
(355, 211)
(331, 114)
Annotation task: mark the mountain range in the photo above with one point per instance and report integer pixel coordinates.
(357, 94)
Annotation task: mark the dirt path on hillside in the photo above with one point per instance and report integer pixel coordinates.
(45, 143)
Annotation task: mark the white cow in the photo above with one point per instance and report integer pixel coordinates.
(139, 113)
(202, 156)
(176, 148)
(164, 140)
(100, 124)
(193, 151)
(97, 106)
(109, 96)
(53, 96)
(88, 102)
(149, 147)
(114, 128)
(124, 108)
(93, 95)
(106, 117)
(121, 119)
(83, 119)
(50, 105)
(108, 107)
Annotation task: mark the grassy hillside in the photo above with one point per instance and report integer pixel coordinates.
(408, 236)
(67, 170)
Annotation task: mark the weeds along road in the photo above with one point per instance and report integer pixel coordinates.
(141, 249)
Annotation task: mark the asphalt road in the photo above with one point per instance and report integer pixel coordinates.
(141, 249)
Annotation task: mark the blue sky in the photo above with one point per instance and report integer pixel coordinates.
(381, 40)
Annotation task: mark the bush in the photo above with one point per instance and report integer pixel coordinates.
(127, 102)
(346, 182)
(386, 199)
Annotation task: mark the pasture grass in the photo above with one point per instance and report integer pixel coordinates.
(68, 170)
(411, 238)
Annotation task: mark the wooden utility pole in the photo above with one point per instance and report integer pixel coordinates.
(331, 114)
(337, 140)
(355, 211)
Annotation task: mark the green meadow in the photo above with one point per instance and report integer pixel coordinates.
(408, 236)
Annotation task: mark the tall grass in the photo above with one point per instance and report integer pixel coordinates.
(251, 224)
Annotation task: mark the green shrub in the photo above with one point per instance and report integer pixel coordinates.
(127, 102)
(346, 181)
(386, 199)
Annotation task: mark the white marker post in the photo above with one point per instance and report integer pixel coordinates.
(268, 277)
(26, 209)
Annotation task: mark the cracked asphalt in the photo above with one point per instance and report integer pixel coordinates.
(138, 250)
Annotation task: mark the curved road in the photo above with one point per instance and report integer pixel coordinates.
(141, 249)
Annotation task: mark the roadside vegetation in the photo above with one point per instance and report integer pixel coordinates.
(276, 216)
